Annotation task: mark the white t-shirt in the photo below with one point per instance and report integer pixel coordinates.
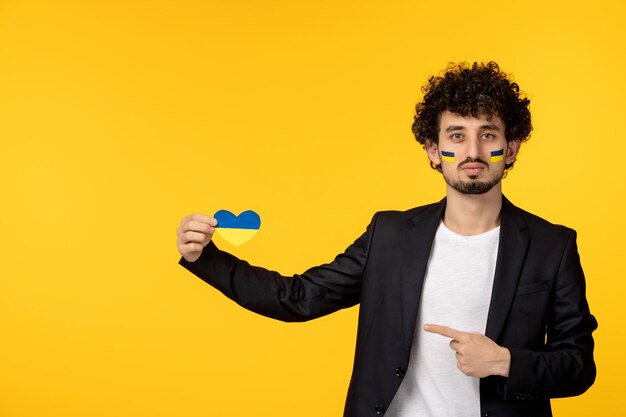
(456, 293)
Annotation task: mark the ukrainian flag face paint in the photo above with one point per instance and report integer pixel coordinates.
(447, 156)
(237, 229)
(497, 155)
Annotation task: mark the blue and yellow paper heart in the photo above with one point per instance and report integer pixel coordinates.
(237, 229)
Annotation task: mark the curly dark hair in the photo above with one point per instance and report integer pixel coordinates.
(479, 89)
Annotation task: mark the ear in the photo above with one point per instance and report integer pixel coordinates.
(512, 149)
(432, 150)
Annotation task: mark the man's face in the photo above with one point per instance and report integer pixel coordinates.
(472, 152)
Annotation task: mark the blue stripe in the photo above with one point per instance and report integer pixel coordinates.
(246, 220)
(446, 153)
(497, 153)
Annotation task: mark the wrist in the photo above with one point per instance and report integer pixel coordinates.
(504, 363)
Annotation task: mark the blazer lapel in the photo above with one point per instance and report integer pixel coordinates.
(512, 249)
(418, 241)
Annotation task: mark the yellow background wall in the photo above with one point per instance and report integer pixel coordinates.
(118, 118)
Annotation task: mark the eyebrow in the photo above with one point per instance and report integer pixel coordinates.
(454, 128)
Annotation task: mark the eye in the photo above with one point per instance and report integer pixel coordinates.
(456, 136)
(489, 136)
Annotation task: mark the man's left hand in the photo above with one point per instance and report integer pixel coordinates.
(476, 354)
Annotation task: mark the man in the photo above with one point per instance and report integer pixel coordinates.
(470, 306)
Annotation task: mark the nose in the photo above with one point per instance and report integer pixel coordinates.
(473, 148)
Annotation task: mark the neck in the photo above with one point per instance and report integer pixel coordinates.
(470, 215)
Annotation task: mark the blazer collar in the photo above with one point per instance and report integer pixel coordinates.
(418, 240)
(512, 249)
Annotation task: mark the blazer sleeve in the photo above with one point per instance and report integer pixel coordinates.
(565, 367)
(319, 291)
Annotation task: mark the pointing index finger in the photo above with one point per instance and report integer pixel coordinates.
(444, 331)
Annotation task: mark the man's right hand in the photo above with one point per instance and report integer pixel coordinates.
(194, 233)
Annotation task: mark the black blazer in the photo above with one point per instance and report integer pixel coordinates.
(538, 308)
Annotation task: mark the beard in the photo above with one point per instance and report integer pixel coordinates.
(472, 187)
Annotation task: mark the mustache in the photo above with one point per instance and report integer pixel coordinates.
(474, 160)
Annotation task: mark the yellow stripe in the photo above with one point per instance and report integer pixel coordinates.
(497, 158)
(236, 236)
(447, 158)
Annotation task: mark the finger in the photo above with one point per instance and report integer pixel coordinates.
(455, 345)
(196, 237)
(444, 331)
(197, 226)
(203, 219)
(193, 247)
(198, 216)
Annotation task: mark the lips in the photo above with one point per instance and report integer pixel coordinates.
(473, 168)
(473, 171)
(473, 165)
